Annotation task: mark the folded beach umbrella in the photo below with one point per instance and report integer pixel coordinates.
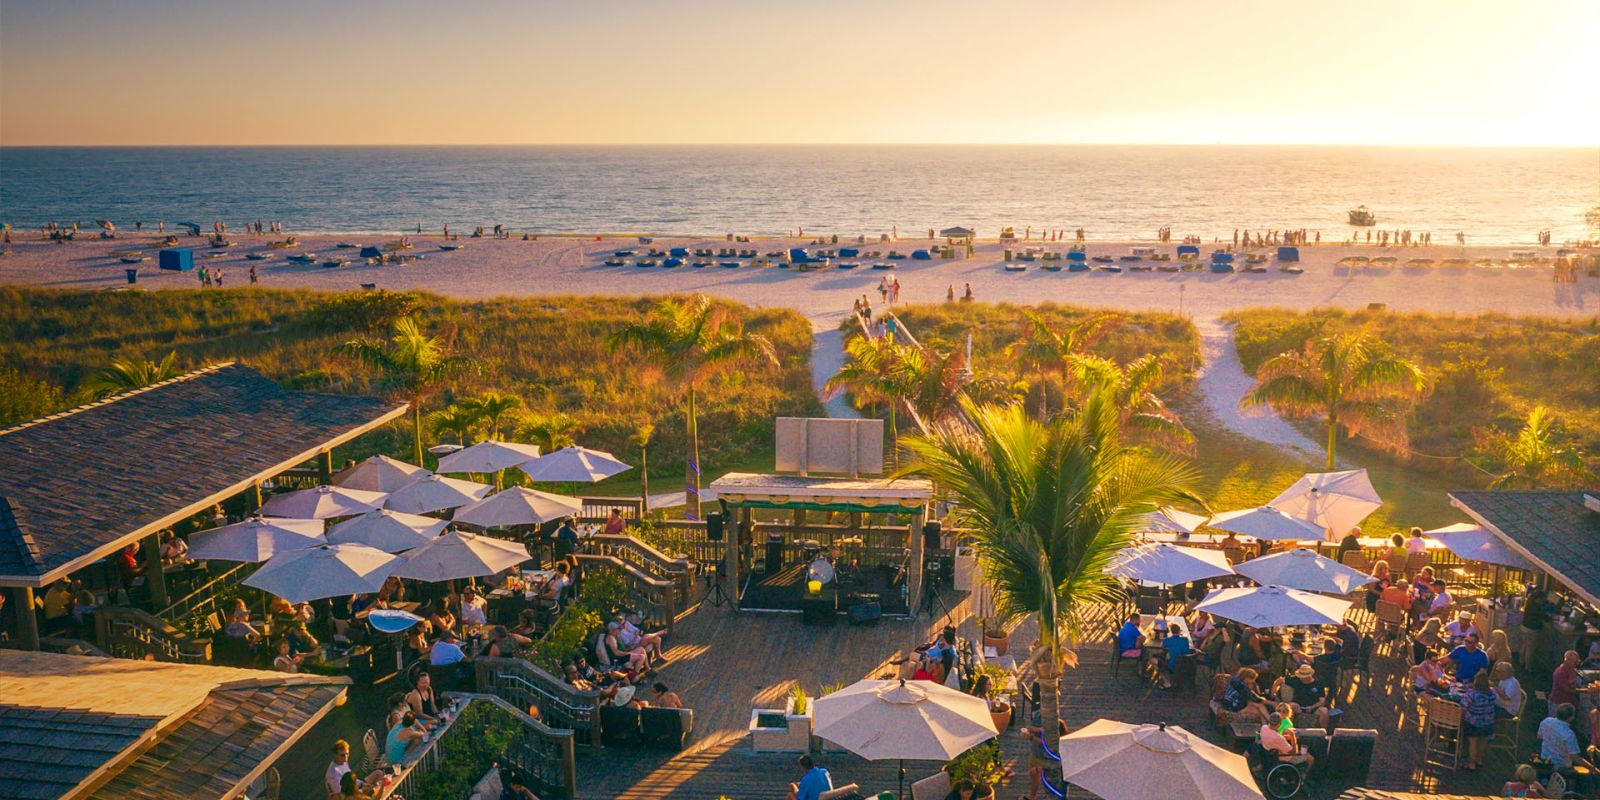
(1274, 606)
(1475, 543)
(321, 502)
(328, 570)
(574, 464)
(1168, 564)
(1266, 522)
(1334, 501)
(902, 720)
(256, 539)
(1303, 569)
(380, 474)
(1170, 520)
(389, 531)
(488, 456)
(459, 554)
(434, 493)
(1119, 761)
(518, 505)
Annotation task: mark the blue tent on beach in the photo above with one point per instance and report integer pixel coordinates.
(176, 258)
(1288, 254)
(371, 252)
(1077, 255)
(1222, 258)
(921, 255)
(1188, 250)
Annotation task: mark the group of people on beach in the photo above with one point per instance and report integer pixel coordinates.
(1272, 238)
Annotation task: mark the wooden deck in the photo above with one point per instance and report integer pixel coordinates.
(724, 663)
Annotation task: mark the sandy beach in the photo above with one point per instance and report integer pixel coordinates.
(572, 265)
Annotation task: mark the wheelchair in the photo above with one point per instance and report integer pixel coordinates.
(1278, 779)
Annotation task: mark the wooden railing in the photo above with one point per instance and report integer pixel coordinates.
(203, 600)
(297, 478)
(133, 633)
(524, 685)
(657, 598)
(681, 571)
(598, 509)
(541, 753)
(57, 644)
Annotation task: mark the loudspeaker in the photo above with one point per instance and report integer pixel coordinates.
(714, 526)
(774, 553)
(930, 535)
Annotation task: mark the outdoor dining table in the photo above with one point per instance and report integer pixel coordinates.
(1152, 646)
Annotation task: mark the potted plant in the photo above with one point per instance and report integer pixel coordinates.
(995, 635)
(995, 693)
(797, 709)
(982, 767)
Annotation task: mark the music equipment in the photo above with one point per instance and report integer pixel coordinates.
(819, 609)
(714, 522)
(774, 553)
(931, 531)
(864, 608)
(821, 570)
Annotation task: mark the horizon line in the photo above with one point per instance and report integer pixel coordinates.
(1398, 145)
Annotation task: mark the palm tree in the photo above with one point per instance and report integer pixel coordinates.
(1140, 409)
(463, 422)
(641, 439)
(127, 374)
(871, 374)
(1351, 380)
(1047, 350)
(1049, 503)
(492, 408)
(1537, 456)
(933, 382)
(689, 341)
(550, 431)
(414, 365)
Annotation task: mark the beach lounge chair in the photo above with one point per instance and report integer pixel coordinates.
(671, 263)
(1077, 266)
(1102, 259)
(728, 264)
(1140, 268)
(1129, 258)
(1010, 267)
(1384, 262)
(1052, 267)
(883, 265)
(615, 262)
(1221, 267)
(1078, 256)
(623, 253)
(701, 264)
(256, 256)
(848, 265)
(1188, 250)
(921, 255)
(368, 252)
(895, 254)
(303, 258)
(1110, 268)
(645, 262)
(1292, 269)
(679, 252)
(1288, 254)
(1168, 267)
(848, 252)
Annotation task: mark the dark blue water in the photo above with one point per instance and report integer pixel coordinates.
(1494, 195)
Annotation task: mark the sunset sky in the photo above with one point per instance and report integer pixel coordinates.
(1414, 72)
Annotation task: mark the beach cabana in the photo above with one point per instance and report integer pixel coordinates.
(371, 252)
(958, 232)
(1188, 250)
(1288, 254)
(1077, 255)
(180, 259)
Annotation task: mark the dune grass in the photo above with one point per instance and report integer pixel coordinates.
(549, 350)
(1489, 371)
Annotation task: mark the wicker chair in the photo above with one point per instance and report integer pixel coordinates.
(1441, 738)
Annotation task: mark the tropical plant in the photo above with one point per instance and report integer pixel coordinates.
(871, 374)
(127, 374)
(455, 419)
(641, 439)
(1141, 410)
(1046, 349)
(689, 341)
(1537, 456)
(980, 765)
(933, 383)
(1049, 503)
(1351, 380)
(23, 397)
(492, 408)
(801, 702)
(551, 431)
(414, 365)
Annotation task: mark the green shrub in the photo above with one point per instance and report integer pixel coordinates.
(567, 635)
(23, 397)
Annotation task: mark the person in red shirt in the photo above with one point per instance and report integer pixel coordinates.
(616, 524)
(1564, 684)
(129, 566)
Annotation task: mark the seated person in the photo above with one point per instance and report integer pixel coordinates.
(1200, 628)
(1129, 639)
(416, 644)
(1469, 659)
(1456, 632)
(300, 638)
(1283, 742)
(662, 697)
(1349, 638)
(130, 568)
(550, 594)
(239, 626)
(474, 609)
(632, 638)
(1439, 607)
(392, 591)
(1508, 695)
(1243, 698)
(1426, 641)
(615, 653)
(286, 661)
(421, 701)
(1211, 648)
(1258, 649)
(1177, 645)
(174, 551)
(527, 624)
(1308, 698)
(813, 783)
(1397, 593)
(446, 651)
(1524, 783)
(503, 643)
(404, 739)
(440, 618)
(1429, 677)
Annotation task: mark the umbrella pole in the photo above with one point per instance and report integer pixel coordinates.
(902, 791)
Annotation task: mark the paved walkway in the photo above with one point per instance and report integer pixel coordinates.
(1223, 382)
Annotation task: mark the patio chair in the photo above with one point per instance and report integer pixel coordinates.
(1357, 560)
(1234, 555)
(933, 787)
(1507, 732)
(372, 754)
(1360, 663)
(845, 792)
(1350, 755)
(1414, 562)
(1441, 737)
(1391, 624)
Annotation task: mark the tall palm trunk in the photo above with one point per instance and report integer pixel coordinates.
(691, 465)
(1333, 430)
(644, 479)
(1049, 674)
(416, 428)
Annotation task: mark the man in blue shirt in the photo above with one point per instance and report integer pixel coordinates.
(1469, 658)
(1176, 645)
(445, 651)
(813, 783)
(1129, 637)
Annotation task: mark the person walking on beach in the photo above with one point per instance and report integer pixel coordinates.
(252, 274)
(967, 298)
(950, 294)
(883, 290)
(217, 277)
(894, 291)
(866, 308)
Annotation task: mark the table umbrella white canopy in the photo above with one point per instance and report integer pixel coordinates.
(389, 531)
(328, 570)
(1171, 520)
(321, 502)
(1169, 565)
(255, 539)
(1333, 501)
(459, 554)
(435, 493)
(518, 505)
(1266, 522)
(574, 465)
(1119, 761)
(915, 720)
(488, 456)
(1475, 543)
(380, 474)
(1305, 570)
(1274, 606)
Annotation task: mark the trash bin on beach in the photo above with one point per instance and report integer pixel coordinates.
(133, 274)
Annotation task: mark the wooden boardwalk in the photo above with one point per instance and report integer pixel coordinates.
(723, 664)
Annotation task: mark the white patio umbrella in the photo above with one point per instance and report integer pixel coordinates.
(328, 570)
(518, 505)
(321, 502)
(488, 456)
(1303, 569)
(459, 554)
(1169, 565)
(1274, 606)
(1334, 501)
(380, 474)
(435, 493)
(1119, 761)
(1171, 520)
(255, 539)
(574, 465)
(389, 531)
(675, 499)
(915, 720)
(1475, 543)
(1266, 522)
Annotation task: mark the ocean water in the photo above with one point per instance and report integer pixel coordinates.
(1495, 196)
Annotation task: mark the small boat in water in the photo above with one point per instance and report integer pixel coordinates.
(1362, 217)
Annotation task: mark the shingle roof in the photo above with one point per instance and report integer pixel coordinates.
(1553, 528)
(50, 751)
(76, 483)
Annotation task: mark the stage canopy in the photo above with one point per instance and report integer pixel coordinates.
(812, 493)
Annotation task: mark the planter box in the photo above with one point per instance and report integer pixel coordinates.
(791, 735)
